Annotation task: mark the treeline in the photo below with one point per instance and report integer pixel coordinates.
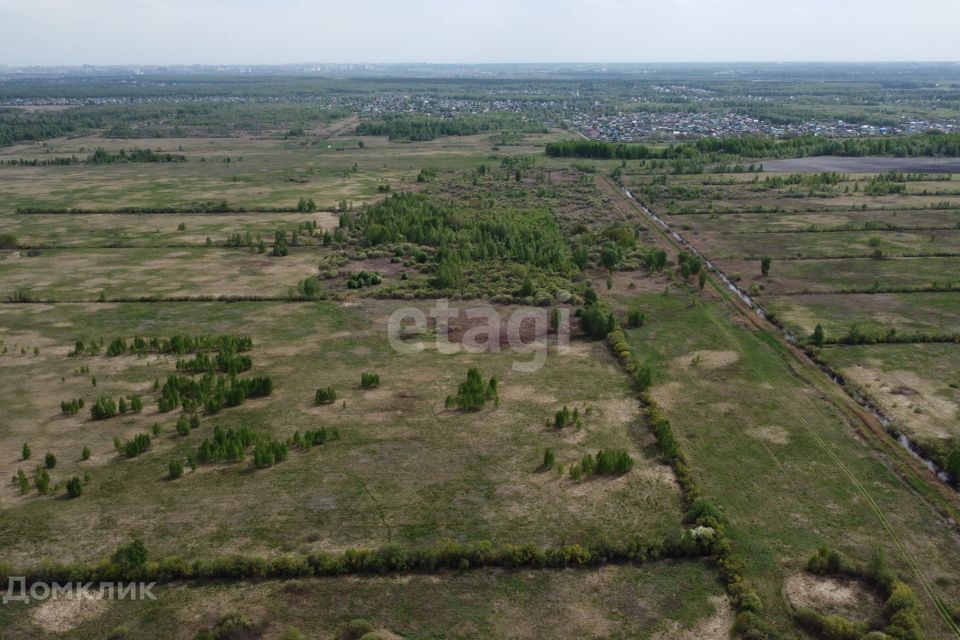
(211, 393)
(709, 530)
(178, 345)
(132, 562)
(102, 156)
(207, 206)
(158, 120)
(420, 127)
(718, 149)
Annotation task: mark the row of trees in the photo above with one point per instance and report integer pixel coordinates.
(211, 393)
(102, 156)
(228, 362)
(419, 127)
(177, 345)
(720, 149)
(606, 462)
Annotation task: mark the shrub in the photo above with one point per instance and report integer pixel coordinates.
(635, 318)
(267, 453)
(280, 244)
(138, 445)
(549, 458)
(41, 480)
(71, 407)
(474, 392)
(21, 481)
(827, 561)
(765, 262)
(564, 417)
(369, 380)
(353, 630)
(129, 559)
(103, 408)
(325, 396)
(74, 487)
(817, 338)
(613, 462)
(952, 465)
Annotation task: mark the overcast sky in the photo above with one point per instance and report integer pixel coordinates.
(55, 32)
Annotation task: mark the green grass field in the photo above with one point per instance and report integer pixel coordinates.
(768, 439)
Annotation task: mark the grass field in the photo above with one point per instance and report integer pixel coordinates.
(406, 470)
(768, 439)
(666, 600)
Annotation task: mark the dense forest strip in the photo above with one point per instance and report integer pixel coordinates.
(756, 147)
(418, 128)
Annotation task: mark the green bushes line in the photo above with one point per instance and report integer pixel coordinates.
(701, 513)
(901, 610)
(131, 562)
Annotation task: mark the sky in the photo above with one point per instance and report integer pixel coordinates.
(102, 32)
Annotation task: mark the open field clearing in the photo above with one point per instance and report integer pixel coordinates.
(863, 165)
(916, 385)
(787, 246)
(244, 171)
(121, 230)
(680, 601)
(406, 469)
(279, 455)
(71, 275)
(933, 220)
(844, 275)
(769, 456)
(875, 314)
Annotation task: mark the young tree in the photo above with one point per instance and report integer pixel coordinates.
(610, 256)
(136, 404)
(85, 454)
(818, 337)
(21, 481)
(74, 487)
(369, 380)
(702, 278)
(183, 425)
(280, 244)
(953, 464)
(549, 458)
(130, 559)
(103, 408)
(25, 452)
(41, 480)
(175, 469)
(325, 396)
(49, 460)
(765, 266)
(474, 392)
